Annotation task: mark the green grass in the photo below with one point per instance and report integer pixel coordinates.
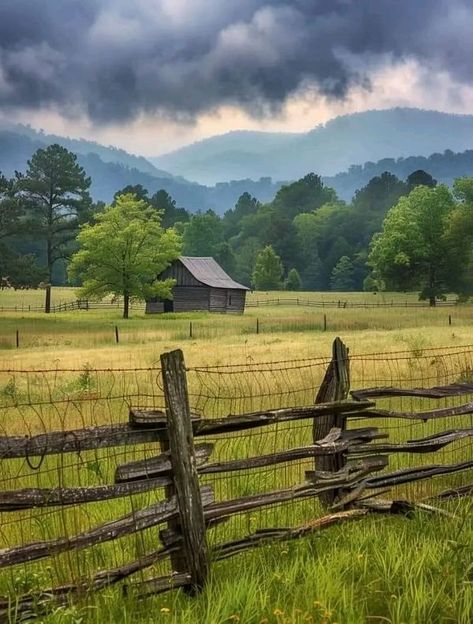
(393, 570)
(378, 569)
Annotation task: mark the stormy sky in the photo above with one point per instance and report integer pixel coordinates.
(152, 74)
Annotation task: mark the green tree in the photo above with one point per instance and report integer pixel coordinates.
(245, 205)
(305, 195)
(11, 211)
(371, 203)
(54, 192)
(226, 258)
(460, 237)
(138, 190)
(267, 274)
(420, 178)
(245, 258)
(123, 252)
(343, 275)
(171, 214)
(203, 234)
(293, 281)
(414, 249)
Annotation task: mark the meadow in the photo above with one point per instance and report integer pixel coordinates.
(378, 569)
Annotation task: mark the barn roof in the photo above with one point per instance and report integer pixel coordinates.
(209, 272)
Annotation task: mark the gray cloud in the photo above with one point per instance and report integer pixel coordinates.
(114, 59)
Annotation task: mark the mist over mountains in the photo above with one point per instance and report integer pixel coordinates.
(327, 149)
(348, 151)
(111, 169)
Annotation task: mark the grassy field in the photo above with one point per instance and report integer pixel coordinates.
(374, 570)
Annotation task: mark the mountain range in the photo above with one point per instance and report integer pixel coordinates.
(327, 149)
(347, 151)
(111, 169)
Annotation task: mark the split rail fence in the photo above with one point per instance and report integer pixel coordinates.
(345, 472)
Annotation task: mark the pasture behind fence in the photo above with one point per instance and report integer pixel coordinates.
(88, 468)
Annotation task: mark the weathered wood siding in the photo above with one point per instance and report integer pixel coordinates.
(218, 300)
(227, 300)
(154, 307)
(188, 298)
(236, 300)
(189, 294)
(182, 276)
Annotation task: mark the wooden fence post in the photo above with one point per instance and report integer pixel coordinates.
(335, 387)
(183, 462)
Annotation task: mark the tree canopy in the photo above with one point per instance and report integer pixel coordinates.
(54, 194)
(416, 248)
(123, 251)
(268, 271)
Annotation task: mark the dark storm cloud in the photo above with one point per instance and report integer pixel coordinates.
(116, 58)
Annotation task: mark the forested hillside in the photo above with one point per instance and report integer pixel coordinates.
(305, 236)
(443, 167)
(328, 149)
(108, 154)
(108, 176)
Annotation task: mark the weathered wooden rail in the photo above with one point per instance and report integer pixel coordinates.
(351, 467)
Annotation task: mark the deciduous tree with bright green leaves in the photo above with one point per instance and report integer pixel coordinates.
(267, 274)
(416, 249)
(123, 252)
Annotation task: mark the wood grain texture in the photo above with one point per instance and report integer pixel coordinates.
(130, 523)
(184, 468)
(335, 387)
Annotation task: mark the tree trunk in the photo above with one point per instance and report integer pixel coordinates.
(126, 304)
(49, 261)
(432, 301)
(47, 301)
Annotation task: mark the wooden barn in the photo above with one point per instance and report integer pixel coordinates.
(201, 284)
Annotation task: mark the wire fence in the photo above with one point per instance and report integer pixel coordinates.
(39, 402)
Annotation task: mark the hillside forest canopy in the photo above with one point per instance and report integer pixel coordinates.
(411, 234)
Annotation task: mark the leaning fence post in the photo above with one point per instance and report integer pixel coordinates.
(335, 387)
(185, 478)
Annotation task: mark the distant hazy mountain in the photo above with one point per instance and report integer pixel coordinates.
(443, 167)
(81, 146)
(328, 149)
(108, 177)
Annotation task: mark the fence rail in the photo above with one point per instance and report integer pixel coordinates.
(345, 304)
(348, 467)
(85, 304)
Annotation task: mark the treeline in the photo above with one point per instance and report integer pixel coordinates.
(320, 242)
(444, 167)
(305, 238)
(111, 169)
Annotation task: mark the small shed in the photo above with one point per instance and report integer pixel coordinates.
(201, 284)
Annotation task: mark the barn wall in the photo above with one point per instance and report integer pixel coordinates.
(227, 300)
(190, 294)
(218, 299)
(154, 307)
(188, 298)
(238, 298)
(182, 276)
